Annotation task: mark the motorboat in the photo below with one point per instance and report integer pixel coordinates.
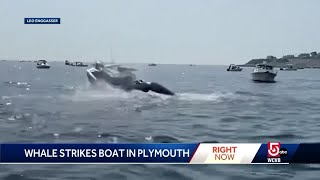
(42, 64)
(289, 67)
(80, 64)
(233, 67)
(152, 64)
(123, 78)
(263, 73)
(67, 63)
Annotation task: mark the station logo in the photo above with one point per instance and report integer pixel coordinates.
(275, 152)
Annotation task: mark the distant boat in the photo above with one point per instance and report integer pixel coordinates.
(42, 64)
(152, 64)
(80, 64)
(233, 67)
(66, 62)
(289, 67)
(263, 73)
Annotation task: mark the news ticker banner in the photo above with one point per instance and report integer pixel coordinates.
(167, 153)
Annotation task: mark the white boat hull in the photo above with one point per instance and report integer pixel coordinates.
(263, 76)
(234, 69)
(43, 66)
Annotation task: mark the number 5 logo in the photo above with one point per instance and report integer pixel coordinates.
(273, 149)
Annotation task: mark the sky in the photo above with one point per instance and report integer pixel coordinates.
(217, 32)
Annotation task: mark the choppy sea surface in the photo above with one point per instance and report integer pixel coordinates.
(57, 105)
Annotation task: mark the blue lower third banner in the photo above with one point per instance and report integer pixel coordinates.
(166, 153)
(42, 20)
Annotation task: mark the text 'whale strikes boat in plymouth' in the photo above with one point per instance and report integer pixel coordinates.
(123, 78)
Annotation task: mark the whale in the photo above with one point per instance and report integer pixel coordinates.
(123, 78)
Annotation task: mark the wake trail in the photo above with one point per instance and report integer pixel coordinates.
(202, 97)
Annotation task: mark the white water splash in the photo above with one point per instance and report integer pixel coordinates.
(202, 97)
(101, 94)
(106, 92)
(77, 129)
(113, 140)
(12, 118)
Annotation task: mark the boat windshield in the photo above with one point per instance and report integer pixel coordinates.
(232, 66)
(269, 67)
(264, 67)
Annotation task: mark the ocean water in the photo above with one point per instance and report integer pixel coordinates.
(57, 105)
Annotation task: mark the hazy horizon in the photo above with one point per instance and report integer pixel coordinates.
(216, 32)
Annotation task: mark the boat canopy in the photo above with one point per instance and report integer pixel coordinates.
(233, 66)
